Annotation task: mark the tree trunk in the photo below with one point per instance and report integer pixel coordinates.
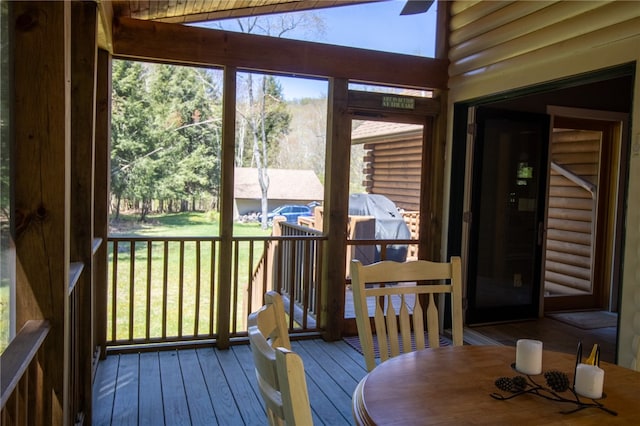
(144, 210)
(118, 201)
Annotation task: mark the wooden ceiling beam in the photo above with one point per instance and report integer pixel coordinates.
(105, 36)
(206, 10)
(175, 43)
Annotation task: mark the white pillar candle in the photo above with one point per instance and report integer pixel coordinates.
(589, 381)
(529, 356)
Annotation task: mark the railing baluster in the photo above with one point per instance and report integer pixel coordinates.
(147, 331)
(114, 291)
(165, 279)
(317, 289)
(181, 290)
(234, 288)
(132, 278)
(22, 390)
(212, 292)
(250, 283)
(22, 394)
(306, 283)
(291, 278)
(197, 296)
(267, 249)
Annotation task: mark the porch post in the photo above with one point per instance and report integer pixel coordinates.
(84, 47)
(336, 201)
(41, 143)
(101, 198)
(225, 259)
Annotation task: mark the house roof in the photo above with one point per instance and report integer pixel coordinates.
(376, 131)
(284, 184)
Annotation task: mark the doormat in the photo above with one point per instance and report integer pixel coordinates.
(354, 342)
(587, 320)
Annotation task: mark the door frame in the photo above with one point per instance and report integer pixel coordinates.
(457, 232)
(609, 212)
(425, 111)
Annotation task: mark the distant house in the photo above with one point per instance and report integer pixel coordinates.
(285, 187)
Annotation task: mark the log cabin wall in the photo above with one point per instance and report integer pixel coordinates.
(393, 161)
(500, 46)
(572, 208)
(393, 169)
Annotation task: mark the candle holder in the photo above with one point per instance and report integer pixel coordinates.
(557, 382)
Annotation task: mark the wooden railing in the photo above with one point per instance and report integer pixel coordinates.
(165, 290)
(297, 268)
(25, 391)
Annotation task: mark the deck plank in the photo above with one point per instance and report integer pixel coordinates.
(200, 408)
(224, 405)
(327, 385)
(337, 353)
(150, 406)
(104, 390)
(125, 405)
(243, 391)
(174, 398)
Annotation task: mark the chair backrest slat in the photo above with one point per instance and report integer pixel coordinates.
(279, 371)
(404, 284)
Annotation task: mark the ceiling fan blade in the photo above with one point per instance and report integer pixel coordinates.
(413, 7)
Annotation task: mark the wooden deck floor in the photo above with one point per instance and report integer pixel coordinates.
(217, 387)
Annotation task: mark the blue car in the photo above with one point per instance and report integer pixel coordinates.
(290, 211)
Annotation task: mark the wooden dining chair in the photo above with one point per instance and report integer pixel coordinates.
(279, 371)
(397, 306)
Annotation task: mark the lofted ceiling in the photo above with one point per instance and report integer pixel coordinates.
(183, 11)
(190, 11)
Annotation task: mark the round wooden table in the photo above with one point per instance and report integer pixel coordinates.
(452, 386)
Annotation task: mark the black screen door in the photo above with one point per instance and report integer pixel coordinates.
(507, 215)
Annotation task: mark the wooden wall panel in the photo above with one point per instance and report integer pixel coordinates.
(501, 41)
(572, 212)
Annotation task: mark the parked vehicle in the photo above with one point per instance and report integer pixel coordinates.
(290, 211)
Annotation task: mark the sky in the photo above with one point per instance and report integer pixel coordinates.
(376, 26)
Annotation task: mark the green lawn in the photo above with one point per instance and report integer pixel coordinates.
(192, 224)
(151, 292)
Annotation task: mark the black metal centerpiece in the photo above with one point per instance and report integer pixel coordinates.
(557, 382)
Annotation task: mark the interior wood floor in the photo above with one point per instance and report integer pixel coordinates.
(555, 335)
